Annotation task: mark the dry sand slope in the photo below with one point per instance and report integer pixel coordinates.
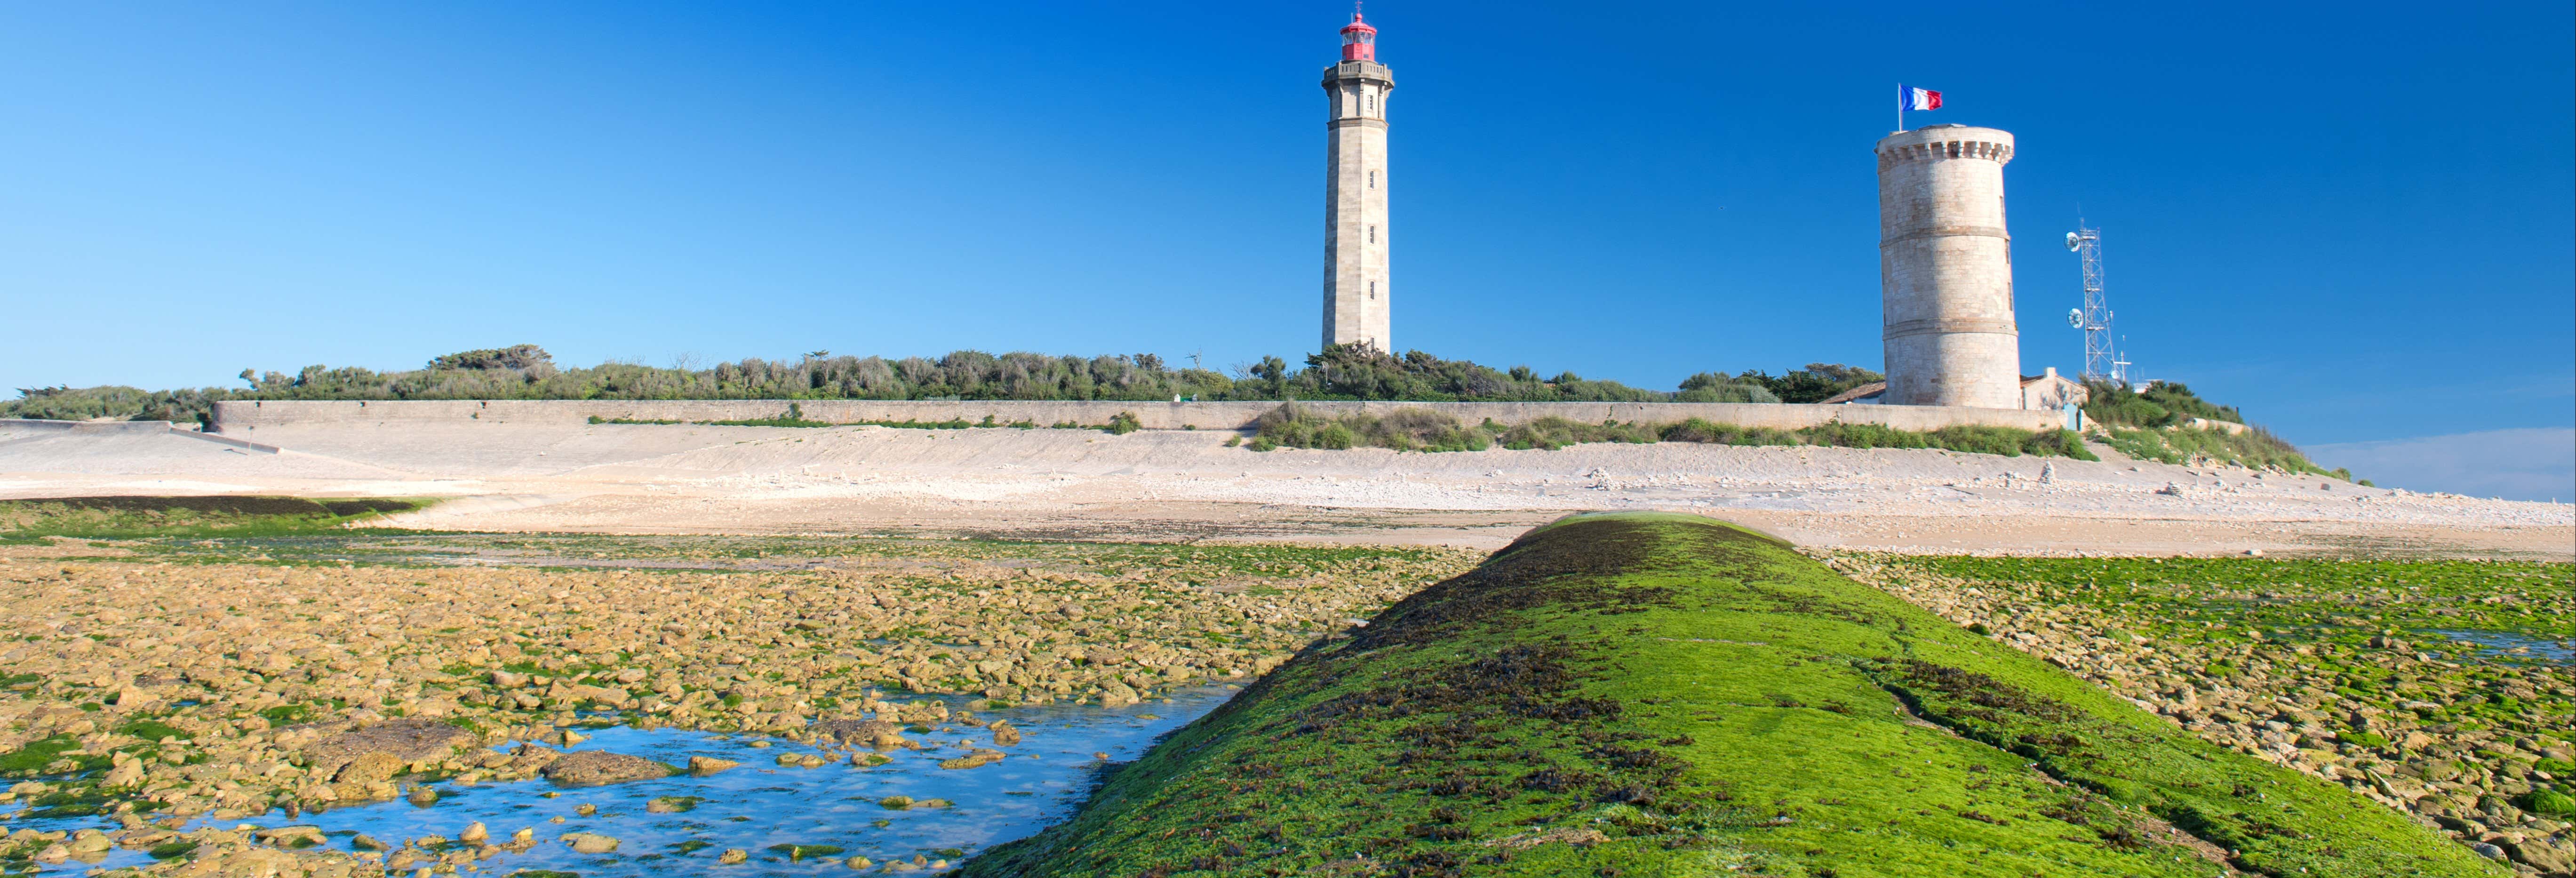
(1189, 486)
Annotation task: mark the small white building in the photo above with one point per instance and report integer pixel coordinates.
(2050, 390)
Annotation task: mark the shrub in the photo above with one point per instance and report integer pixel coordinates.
(1842, 435)
(1551, 433)
(1975, 439)
(1697, 430)
(2159, 405)
(2256, 448)
(1406, 429)
(2058, 443)
(1123, 423)
(1716, 387)
(526, 356)
(1816, 383)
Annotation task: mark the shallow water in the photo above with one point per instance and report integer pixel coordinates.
(760, 804)
(2504, 642)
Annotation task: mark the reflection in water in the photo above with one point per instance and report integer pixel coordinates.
(760, 805)
(2515, 643)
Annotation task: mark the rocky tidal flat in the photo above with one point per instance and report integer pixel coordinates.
(196, 700)
(2438, 688)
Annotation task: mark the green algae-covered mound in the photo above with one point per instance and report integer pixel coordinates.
(1645, 694)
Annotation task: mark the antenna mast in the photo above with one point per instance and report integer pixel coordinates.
(2101, 362)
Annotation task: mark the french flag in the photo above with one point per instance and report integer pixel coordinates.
(1918, 98)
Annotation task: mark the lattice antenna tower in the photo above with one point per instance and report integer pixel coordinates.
(2100, 359)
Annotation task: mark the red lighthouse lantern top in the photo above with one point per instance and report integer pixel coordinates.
(1359, 40)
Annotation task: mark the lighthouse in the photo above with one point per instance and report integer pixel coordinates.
(1356, 290)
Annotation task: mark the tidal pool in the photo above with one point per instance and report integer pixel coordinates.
(2515, 644)
(760, 805)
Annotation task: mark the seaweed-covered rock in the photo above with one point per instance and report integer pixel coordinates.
(404, 741)
(1650, 694)
(595, 767)
(590, 842)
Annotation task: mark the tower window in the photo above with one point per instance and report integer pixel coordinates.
(1372, 234)
(1372, 290)
(1372, 179)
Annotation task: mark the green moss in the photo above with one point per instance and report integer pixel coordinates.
(33, 758)
(1651, 694)
(153, 730)
(798, 852)
(288, 714)
(2548, 802)
(225, 516)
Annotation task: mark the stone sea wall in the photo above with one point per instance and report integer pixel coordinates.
(241, 418)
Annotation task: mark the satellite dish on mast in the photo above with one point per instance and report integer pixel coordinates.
(2074, 241)
(2075, 317)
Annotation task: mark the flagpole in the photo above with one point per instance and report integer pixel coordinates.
(1900, 108)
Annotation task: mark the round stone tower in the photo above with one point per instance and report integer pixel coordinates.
(1356, 237)
(1945, 268)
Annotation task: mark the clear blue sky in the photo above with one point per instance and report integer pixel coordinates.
(2357, 222)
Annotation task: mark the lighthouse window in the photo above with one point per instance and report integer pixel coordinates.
(1372, 289)
(1372, 179)
(1372, 234)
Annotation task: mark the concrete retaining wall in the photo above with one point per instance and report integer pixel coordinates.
(136, 427)
(90, 426)
(243, 419)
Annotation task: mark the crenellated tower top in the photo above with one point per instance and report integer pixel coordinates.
(1945, 142)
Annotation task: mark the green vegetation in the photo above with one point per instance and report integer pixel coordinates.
(1816, 383)
(1411, 429)
(153, 730)
(37, 757)
(2256, 448)
(2312, 623)
(1414, 429)
(2154, 424)
(2162, 404)
(1652, 694)
(2439, 687)
(798, 852)
(528, 372)
(231, 516)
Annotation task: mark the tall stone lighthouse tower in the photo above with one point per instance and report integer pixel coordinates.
(1945, 268)
(1355, 181)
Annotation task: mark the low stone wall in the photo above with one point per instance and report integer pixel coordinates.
(144, 427)
(89, 426)
(245, 418)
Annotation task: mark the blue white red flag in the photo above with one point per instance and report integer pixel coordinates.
(1919, 98)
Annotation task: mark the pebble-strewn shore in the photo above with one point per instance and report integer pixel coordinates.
(2477, 744)
(138, 691)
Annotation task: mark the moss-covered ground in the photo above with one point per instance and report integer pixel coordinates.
(226, 516)
(1640, 694)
